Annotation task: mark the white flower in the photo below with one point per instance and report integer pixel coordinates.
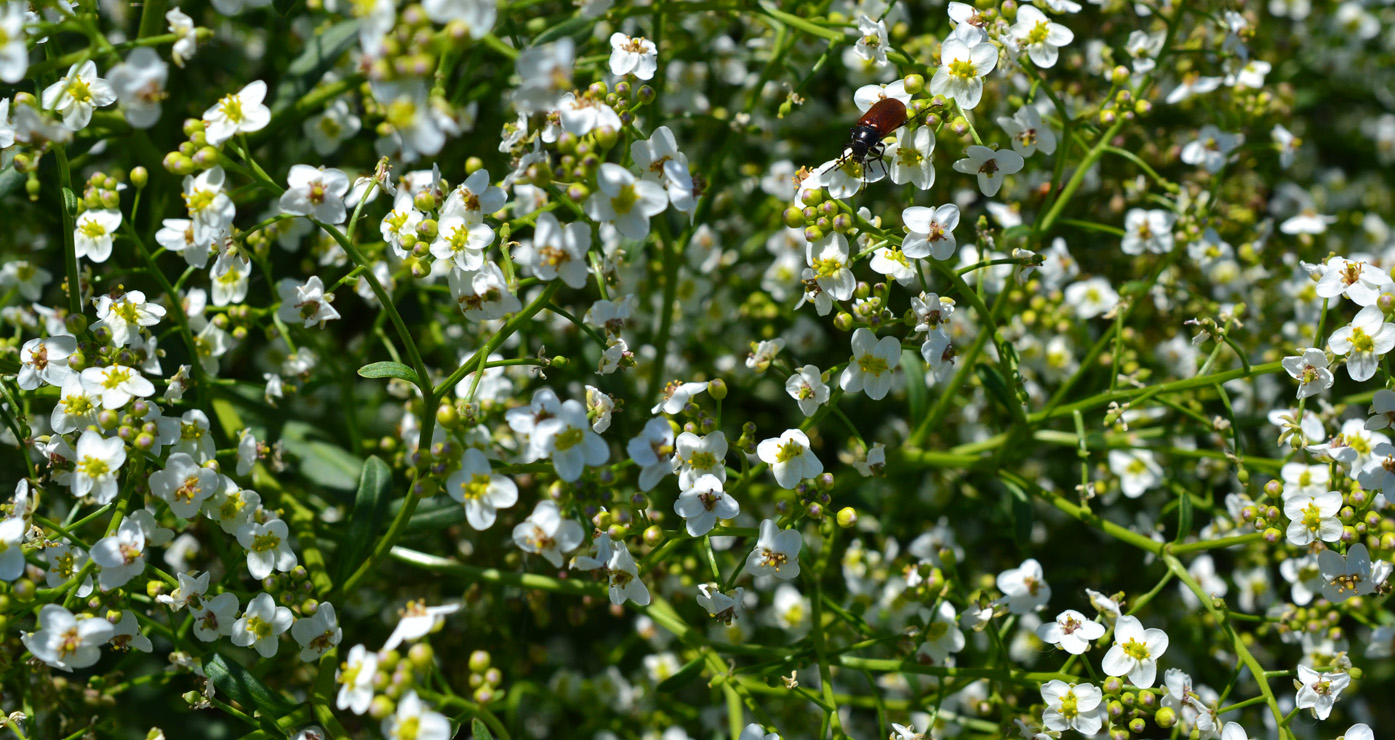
(557, 251)
(211, 210)
(44, 360)
(1135, 652)
(413, 721)
(477, 16)
(601, 550)
(806, 386)
(120, 556)
(216, 617)
(1313, 518)
(1071, 631)
(1024, 587)
(1287, 144)
(417, 621)
(1364, 341)
(872, 363)
(703, 504)
(776, 552)
(125, 314)
(1137, 470)
(1147, 231)
(97, 460)
(191, 589)
(139, 83)
(462, 242)
(930, 231)
(830, 267)
(1029, 134)
(1091, 297)
(790, 458)
(14, 47)
(872, 40)
(677, 396)
(568, 439)
(1071, 706)
(911, 159)
(659, 159)
(754, 731)
(327, 129)
(64, 641)
(942, 636)
(126, 634)
(625, 201)
(1210, 149)
(623, 577)
(990, 166)
(239, 113)
(1359, 281)
(633, 55)
(317, 634)
(184, 485)
(1345, 577)
(1358, 731)
(546, 533)
(12, 563)
(695, 456)
(78, 94)
(1041, 37)
(356, 680)
(261, 624)
(652, 451)
(480, 490)
(1320, 690)
(719, 605)
(188, 433)
(1310, 370)
(483, 294)
(305, 303)
(316, 192)
(187, 40)
(93, 231)
(961, 71)
(23, 275)
(267, 548)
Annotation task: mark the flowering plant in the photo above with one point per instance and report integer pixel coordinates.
(556, 368)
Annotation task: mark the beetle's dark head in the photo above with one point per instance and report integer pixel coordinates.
(862, 141)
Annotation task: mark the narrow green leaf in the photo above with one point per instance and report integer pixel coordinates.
(388, 370)
(478, 729)
(367, 519)
(1184, 515)
(684, 676)
(1023, 516)
(576, 27)
(231, 679)
(996, 386)
(321, 52)
(917, 395)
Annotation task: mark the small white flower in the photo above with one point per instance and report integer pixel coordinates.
(546, 533)
(623, 577)
(240, 113)
(480, 490)
(1313, 518)
(186, 41)
(872, 363)
(677, 396)
(703, 504)
(14, 47)
(720, 606)
(1024, 587)
(44, 361)
(120, 556)
(356, 680)
(633, 55)
(1310, 370)
(990, 166)
(1149, 231)
(557, 251)
(961, 71)
(1039, 36)
(1029, 133)
(1071, 706)
(92, 233)
(626, 201)
(413, 721)
(910, 157)
(1210, 149)
(1135, 652)
(305, 303)
(776, 552)
(12, 563)
(64, 641)
(417, 621)
(930, 231)
(98, 460)
(790, 458)
(1361, 282)
(79, 93)
(261, 625)
(317, 634)
(568, 439)
(267, 547)
(652, 451)
(124, 315)
(1091, 297)
(695, 456)
(184, 485)
(1072, 631)
(1346, 576)
(1138, 471)
(806, 387)
(1364, 341)
(1319, 690)
(872, 40)
(317, 193)
(139, 83)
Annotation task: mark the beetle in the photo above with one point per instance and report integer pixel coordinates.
(884, 117)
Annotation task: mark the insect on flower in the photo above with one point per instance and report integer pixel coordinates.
(865, 141)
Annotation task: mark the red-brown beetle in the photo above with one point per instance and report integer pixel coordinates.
(884, 117)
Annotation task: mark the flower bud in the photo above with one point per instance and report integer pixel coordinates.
(914, 84)
(847, 517)
(1165, 718)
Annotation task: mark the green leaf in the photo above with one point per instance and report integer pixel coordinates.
(367, 519)
(685, 675)
(577, 26)
(1184, 515)
(319, 56)
(917, 395)
(432, 517)
(70, 201)
(232, 680)
(1022, 514)
(478, 729)
(1020, 231)
(323, 462)
(388, 370)
(996, 386)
